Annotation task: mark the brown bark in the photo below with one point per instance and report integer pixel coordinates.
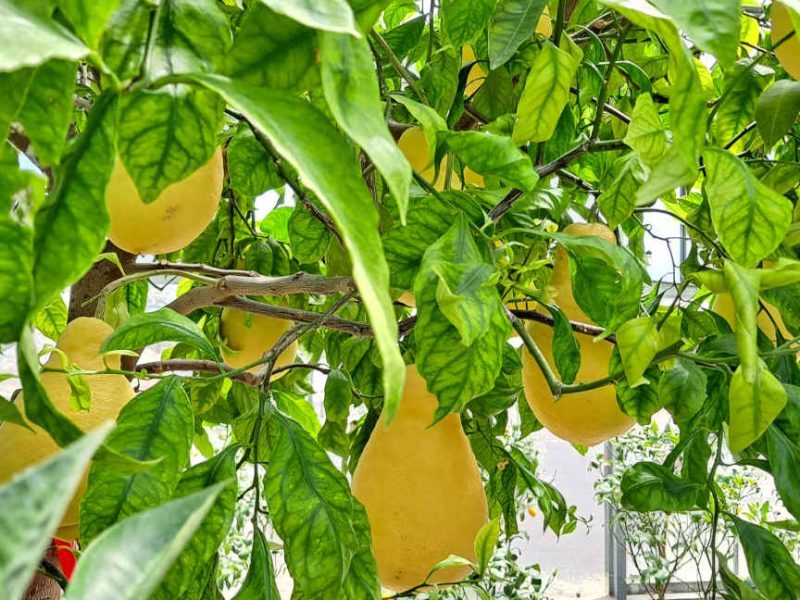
(43, 587)
(99, 276)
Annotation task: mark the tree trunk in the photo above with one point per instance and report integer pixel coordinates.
(87, 287)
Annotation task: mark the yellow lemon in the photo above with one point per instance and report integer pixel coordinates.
(422, 491)
(173, 220)
(21, 448)
(414, 146)
(788, 52)
(476, 75)
(725, 308)
(589, 417)
(249, 336)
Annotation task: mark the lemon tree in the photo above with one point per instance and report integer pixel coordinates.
(403, 238)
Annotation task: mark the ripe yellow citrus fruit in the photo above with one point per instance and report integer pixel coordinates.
(408, 299)
(476, 75)
(725, 308)
(422, 491)
(21, 448)
(788, 52)
(415, 148)
(173, 220)
(589, 417)
(248, 337)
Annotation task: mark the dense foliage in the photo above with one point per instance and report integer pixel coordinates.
(603, 111)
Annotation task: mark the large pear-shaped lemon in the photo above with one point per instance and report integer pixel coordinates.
(725, 308)
(415, 148)
(589, 417)
(20, 448)
(422, 491)
(173, 220)
(788, 52)
(249, 336)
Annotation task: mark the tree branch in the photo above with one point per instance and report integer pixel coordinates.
(237, 285)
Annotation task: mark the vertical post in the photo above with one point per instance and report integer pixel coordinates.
(616, 559)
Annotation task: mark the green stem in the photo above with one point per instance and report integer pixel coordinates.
(603, 95)
(404, 73)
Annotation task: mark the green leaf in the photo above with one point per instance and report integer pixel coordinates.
(163, 325)
(713, 25)
(485, 543)
(428, 118)
(9, 413)
(351, 89)
(770, 565)
(682, 390)
(742, 87)
(260, 581)
(308, 235)
(754, 402)
(156, 425)
(16, 282)
(463, 19)
(326, 15)
(546, 92)
(88, 17)
(428, 219)
(271, 50)
(735, 587)
(52, 319)
(80, 190)
(750, 218)
(36, 40)
(670, 172)
(250, 168)
(513, 23)
(777, 110)
(646, 133)
(465, 295)
(565, 347)
(189, 36)
(221, 469)
(361, 581)
(455, 372)
(494, 155)
(31, 507)
(784, 459)
(618, 200)
(166, 135)
(38, 407)
(46, 111)
(637, 342)
(648, 486)
(129, 560)
(329, 168)
(439, 79)
(314, 520)
(125, 39)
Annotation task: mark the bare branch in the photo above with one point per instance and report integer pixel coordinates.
(197, 366)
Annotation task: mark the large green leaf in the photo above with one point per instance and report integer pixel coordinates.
(166, 135)
(163, 325)
(618, 199)
(251, 170)
(494, 155)
(16, 282)
(220, 469)
(784, 459)
(361, 582)
(513, 23)
(682, 390)
(750, 218)
(754, 402)
(637, 342)
(52, 319)
(327, 15)
(648, 486)
(742, 87)
(329, 168)
(70, 229)
(463, 19)
(711, 24)
(271, 50)
(457, 370)
(260, 581)
(771, 566)
(125, 39)
(351, 89)
(31, 507)
(36, 40)
(157, 425)
(309, 236)
(129, 560)
(312, 510)
(546, 91)
(46, 112)
(189, 36)
(88, 17)
(777, 110)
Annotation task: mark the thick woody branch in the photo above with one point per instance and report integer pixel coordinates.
(164, 265)
(238, 285)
